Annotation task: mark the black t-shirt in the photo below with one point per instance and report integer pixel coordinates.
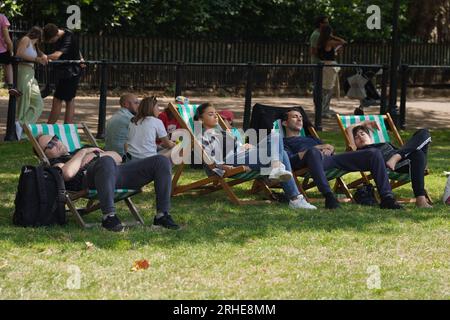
(76, 183)
(327, 55)
(294, 145)
(388, 150)
(68, 45)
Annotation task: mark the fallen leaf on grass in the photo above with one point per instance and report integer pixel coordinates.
(89, 245)
(140, 265)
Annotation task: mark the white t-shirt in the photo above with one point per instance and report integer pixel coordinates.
(142, 137)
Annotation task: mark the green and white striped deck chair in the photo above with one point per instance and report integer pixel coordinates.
(379, 136)
(68, 134)
(184, 113)
(308, 183)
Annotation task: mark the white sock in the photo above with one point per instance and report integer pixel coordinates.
(111, 214)
(159, 215)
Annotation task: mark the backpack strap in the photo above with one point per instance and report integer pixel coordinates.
(42, 191)
(61, 191)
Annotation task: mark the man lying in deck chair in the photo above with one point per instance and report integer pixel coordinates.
(310, 152)
(410, 158)
(102, 170)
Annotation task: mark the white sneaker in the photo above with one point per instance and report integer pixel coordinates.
(446, 197)
(280, 174)
(301, 203)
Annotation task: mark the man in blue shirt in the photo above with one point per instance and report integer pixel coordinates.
(117, 127)
(319, 157)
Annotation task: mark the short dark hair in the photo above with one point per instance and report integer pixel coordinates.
(50, 31)
(358, 128)
(285, 115)
(319, 19)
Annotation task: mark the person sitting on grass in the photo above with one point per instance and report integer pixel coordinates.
(217, 142)
(102, 170)
(319, 157)
(145, 130)
(410, 158)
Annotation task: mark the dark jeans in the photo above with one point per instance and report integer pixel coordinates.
(415, 149)
(105, 176)
(362, 160)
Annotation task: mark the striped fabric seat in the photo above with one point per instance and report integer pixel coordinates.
(68, 135)
(188, 111)
(379, 136)
(119, 194)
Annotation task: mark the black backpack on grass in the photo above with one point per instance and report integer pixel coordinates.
(365, 195)
(40, 197)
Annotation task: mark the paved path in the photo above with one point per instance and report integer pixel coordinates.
(432, 113)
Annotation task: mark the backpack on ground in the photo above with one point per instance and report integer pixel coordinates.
(365, 195)
(40, 197)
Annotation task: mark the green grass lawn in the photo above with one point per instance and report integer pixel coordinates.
(229, 252)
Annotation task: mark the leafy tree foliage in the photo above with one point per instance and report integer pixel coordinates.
(276, 20)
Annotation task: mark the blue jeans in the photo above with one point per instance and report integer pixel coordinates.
(244, 157)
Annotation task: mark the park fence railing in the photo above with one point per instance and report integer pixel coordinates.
(177, 69)
(129, 48)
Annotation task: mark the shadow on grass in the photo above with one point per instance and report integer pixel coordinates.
(208, 219)
(220, 222)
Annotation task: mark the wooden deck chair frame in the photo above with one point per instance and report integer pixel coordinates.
(365, 178)
(72, 197)
(212, 183)
(307, 182)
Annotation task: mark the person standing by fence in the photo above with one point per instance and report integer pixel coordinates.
(320, 22)
(327, 46)
(30, 104)
(6, 54)
(65, 47)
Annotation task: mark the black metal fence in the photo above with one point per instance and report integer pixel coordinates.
(160, 77)
(177, 71)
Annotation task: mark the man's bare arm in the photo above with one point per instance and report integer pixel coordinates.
(55, 55)
(71, 167)
(7, 39)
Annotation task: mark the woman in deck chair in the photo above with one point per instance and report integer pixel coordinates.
(410, 158)
(218, 142)
(145, 130)
(102, 170)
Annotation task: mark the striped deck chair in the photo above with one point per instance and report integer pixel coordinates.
(397, 179)
(184, 113)
(308, 183)
(68, 134)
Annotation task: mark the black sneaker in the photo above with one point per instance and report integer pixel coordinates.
(112, 223)
(331, 201)
(390, 203)
(166, 221)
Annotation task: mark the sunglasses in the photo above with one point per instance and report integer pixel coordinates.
(52, 143)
